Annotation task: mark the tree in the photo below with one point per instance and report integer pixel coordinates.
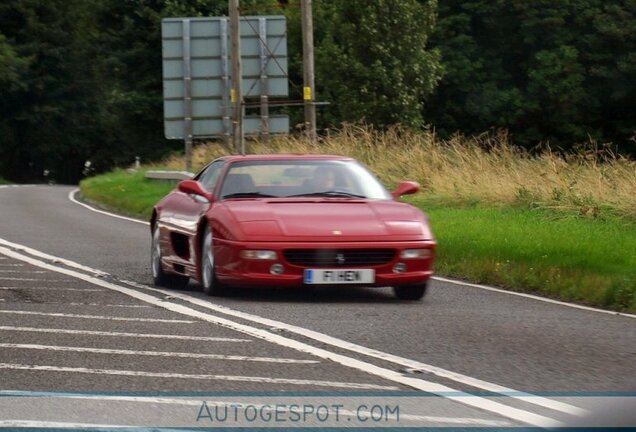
(128, 64)
(372, 60)
(549, 70)
(50, 91)
(11, 67)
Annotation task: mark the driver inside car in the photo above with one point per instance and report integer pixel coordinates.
(323, 179)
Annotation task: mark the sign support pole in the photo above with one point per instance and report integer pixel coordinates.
(225, 71)
(262, 36)
(308, 69)
(187, 95)
(237, 78)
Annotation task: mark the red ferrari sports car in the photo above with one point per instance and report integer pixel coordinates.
(290, 221)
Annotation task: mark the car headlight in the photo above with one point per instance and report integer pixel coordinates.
(416, 253)
(259, 254)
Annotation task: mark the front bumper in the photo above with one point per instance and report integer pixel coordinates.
(233, 270)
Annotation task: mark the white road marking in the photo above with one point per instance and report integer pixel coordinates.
(391, 375)
(97, 317)
(31, 279)
(51, 258)
(11, 265)
(411, 364)
(71, 196)
(52, 289)
(108, 305)
(119, 334)
(55, 425)
(441, 279)
(157, 353)
(238, 378)
(533, 297)
(23, 271)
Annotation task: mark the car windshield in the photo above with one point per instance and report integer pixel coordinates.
(309, 178)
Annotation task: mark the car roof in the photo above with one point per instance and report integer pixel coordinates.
(283, 156)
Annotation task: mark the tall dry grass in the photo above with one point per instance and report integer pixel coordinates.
(485, 168)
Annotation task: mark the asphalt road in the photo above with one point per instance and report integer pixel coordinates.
(477, 339)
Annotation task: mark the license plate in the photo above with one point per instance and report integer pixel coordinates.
(339, 276)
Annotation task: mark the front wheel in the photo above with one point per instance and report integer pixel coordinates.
(159, 276)
(211, 286)
(410, 292)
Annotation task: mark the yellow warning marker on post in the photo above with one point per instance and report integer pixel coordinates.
(232, 95)
(307, 93)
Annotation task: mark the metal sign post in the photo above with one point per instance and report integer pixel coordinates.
(308, 69)
(187, 95)
(237, 79)
(225, 77)
(262, 36)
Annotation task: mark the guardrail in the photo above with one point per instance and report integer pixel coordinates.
(169, 175)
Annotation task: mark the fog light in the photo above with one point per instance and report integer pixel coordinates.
(258, 254)
(276, 269)
(399, 268)
(415, 253)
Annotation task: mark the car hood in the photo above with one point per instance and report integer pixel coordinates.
(329, 220)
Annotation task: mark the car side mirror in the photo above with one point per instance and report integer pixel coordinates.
(405, 188)
(193, 187)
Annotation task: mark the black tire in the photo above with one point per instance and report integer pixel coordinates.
(159, 276)
(209, 282)
(410, 292)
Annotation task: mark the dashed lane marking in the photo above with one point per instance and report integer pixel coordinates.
(97, 317)
(109, 305)
(157, 353)
(39, 425)
(32, 280)
(23, 271)
(237, 378)
(51, 258)
(120, 334)
(52, 289)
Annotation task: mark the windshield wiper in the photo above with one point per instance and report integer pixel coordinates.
(248, 195)
(328, 194)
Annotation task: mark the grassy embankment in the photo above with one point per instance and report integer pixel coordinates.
(126, 192)
(561, 227)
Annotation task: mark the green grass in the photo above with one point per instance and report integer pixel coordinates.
(128, 193)
(580, 259)
(557, 254)
(3, 181)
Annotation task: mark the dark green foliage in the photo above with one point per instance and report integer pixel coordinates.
(49, 90)
(11, 66)
(372, 60)
(129, 67)
(551, 70)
